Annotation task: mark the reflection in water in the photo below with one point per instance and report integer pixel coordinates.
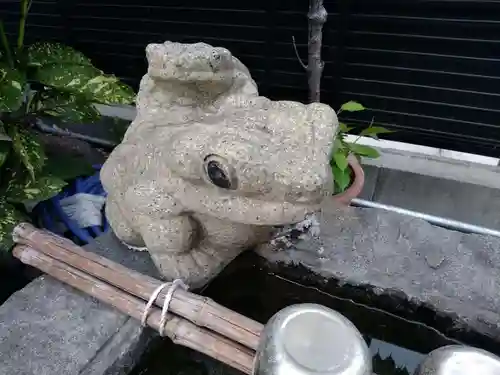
(388, 359)
(246, 286)
(392, 359)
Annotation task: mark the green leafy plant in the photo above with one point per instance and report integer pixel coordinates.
(343, 149)
(47, 80)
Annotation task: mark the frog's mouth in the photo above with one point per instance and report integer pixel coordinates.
(246, 210)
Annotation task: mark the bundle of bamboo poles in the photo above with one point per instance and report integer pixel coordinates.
(193, 321)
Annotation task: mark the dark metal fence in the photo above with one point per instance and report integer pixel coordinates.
(429, 69)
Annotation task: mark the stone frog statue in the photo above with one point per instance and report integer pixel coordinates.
(201, 176)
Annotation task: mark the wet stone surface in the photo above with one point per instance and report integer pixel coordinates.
(426, 268)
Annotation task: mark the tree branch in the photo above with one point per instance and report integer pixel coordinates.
(297, 54)
(317, 16)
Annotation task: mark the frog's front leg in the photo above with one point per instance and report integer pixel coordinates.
(220, 242)
(171, 235)
(170, 243)
(154, 217)
(122, 227)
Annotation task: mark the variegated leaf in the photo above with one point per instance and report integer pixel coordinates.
(69, 107)
(86, 81)
(44, 53)
(12, 83)
(28, 190)
(25, 144)
(9, 218)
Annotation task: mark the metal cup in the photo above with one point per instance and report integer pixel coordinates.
(310, 339)
(459, 360)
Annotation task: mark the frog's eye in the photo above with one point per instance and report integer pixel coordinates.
(219, 173)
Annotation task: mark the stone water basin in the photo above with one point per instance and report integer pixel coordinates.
(251, 287)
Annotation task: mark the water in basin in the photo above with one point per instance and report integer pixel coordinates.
(247, 286)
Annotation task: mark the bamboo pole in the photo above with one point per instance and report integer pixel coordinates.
(201, 311)
(179, 330)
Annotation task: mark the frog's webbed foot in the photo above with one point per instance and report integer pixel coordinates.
(195, 267)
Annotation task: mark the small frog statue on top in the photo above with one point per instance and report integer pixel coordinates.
(209, 168)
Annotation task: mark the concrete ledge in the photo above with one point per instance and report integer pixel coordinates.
(120, 354)
(125, 112)
(436, 166)
(387, 145)
(48, 328)
(469, 203)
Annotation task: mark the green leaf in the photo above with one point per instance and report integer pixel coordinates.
(344, 128)
(27, 147)
(68, 167)
(12, 84)
(340, 160)
(44, 53)
(86, 81)
(69, 108)
(362, 150)
(9, 218)
(342, 178)
(352, 106)
(374, 131)
(27, 190)
(338, 144)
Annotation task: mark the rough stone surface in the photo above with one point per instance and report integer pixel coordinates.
(455, 273)
(48, 328)
(208, 167)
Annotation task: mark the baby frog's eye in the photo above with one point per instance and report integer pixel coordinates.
(219, 172)
(214, 61)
